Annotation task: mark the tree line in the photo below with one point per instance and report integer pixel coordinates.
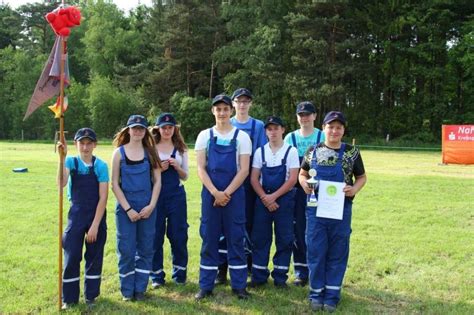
(394, 67)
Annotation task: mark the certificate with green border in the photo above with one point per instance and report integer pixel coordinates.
(331, 200)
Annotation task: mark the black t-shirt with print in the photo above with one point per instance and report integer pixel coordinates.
(352, 164)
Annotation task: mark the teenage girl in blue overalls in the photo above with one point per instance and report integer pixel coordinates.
(171, 209)
(88, 188)
(222, 154)
(274, 173)
(328, 239)
(136, 183)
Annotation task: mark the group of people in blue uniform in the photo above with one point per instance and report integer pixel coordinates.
(254, 185)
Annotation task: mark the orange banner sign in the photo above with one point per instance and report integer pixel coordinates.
(458, 144)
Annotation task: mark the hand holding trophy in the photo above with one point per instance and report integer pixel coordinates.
(313, 184)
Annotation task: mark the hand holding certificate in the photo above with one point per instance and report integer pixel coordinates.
(331, 200)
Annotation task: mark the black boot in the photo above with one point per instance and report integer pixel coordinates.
(221, 274)
(241, 294)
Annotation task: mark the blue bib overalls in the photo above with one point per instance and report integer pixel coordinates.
(250, 198)
(135, 239)
(328, 241)
(299, 246)
(228, 221)
(171, 218)
(272, 179)
(84, 200)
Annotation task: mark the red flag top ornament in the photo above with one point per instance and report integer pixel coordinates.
(61, 21)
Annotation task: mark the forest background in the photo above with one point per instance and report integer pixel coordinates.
(401, 68)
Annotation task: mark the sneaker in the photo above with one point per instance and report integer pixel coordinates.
(127, 298)
(282, 285)
(316, 306)
(241, 294)
(202, 294)
(140, 296)
(156, 285)
(300, 282)
(67, 306)
(90, 303)
(329, 308)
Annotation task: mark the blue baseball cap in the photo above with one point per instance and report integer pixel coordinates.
(165, 119)
(85, 133)
(274, 120)
(221, 98)
(305, 107)
(334, 115)
(241, 92)
(137, 120)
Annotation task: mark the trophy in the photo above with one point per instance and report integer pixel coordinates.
(312, 183)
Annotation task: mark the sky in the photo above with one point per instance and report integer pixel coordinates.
(125, 5)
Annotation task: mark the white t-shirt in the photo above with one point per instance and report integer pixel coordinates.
(181, 159)
(274, 159)
(244, 145)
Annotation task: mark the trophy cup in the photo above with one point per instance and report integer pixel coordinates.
(312, 183)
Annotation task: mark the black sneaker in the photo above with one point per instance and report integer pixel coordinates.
(241, 294)
(202, 294)
(300, 282)
(140, 296)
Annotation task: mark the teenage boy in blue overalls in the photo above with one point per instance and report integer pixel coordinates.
(222, 154)
(87, 190)
(303, 138)
(242, 101)
(274, 174)
(328, 238)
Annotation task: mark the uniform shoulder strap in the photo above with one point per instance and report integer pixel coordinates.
(122, 153)
(173, 154)
(76, 166)
(293, 139)
(318, 138)
(252, 131)
(283, 161)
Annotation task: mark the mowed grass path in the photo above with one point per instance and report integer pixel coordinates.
(411, 246)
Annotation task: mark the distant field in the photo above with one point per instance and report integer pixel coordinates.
(412, 248)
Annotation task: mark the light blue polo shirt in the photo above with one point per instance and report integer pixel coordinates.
(303, 143)
(100, 170)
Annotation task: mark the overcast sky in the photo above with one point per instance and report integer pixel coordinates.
(125, 5)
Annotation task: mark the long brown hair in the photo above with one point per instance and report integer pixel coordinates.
(176, 138)
(123, 137)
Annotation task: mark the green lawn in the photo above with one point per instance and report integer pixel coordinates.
(412, 242)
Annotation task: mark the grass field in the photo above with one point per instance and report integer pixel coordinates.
(412, 245)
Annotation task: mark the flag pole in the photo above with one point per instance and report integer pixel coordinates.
(61, 168)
